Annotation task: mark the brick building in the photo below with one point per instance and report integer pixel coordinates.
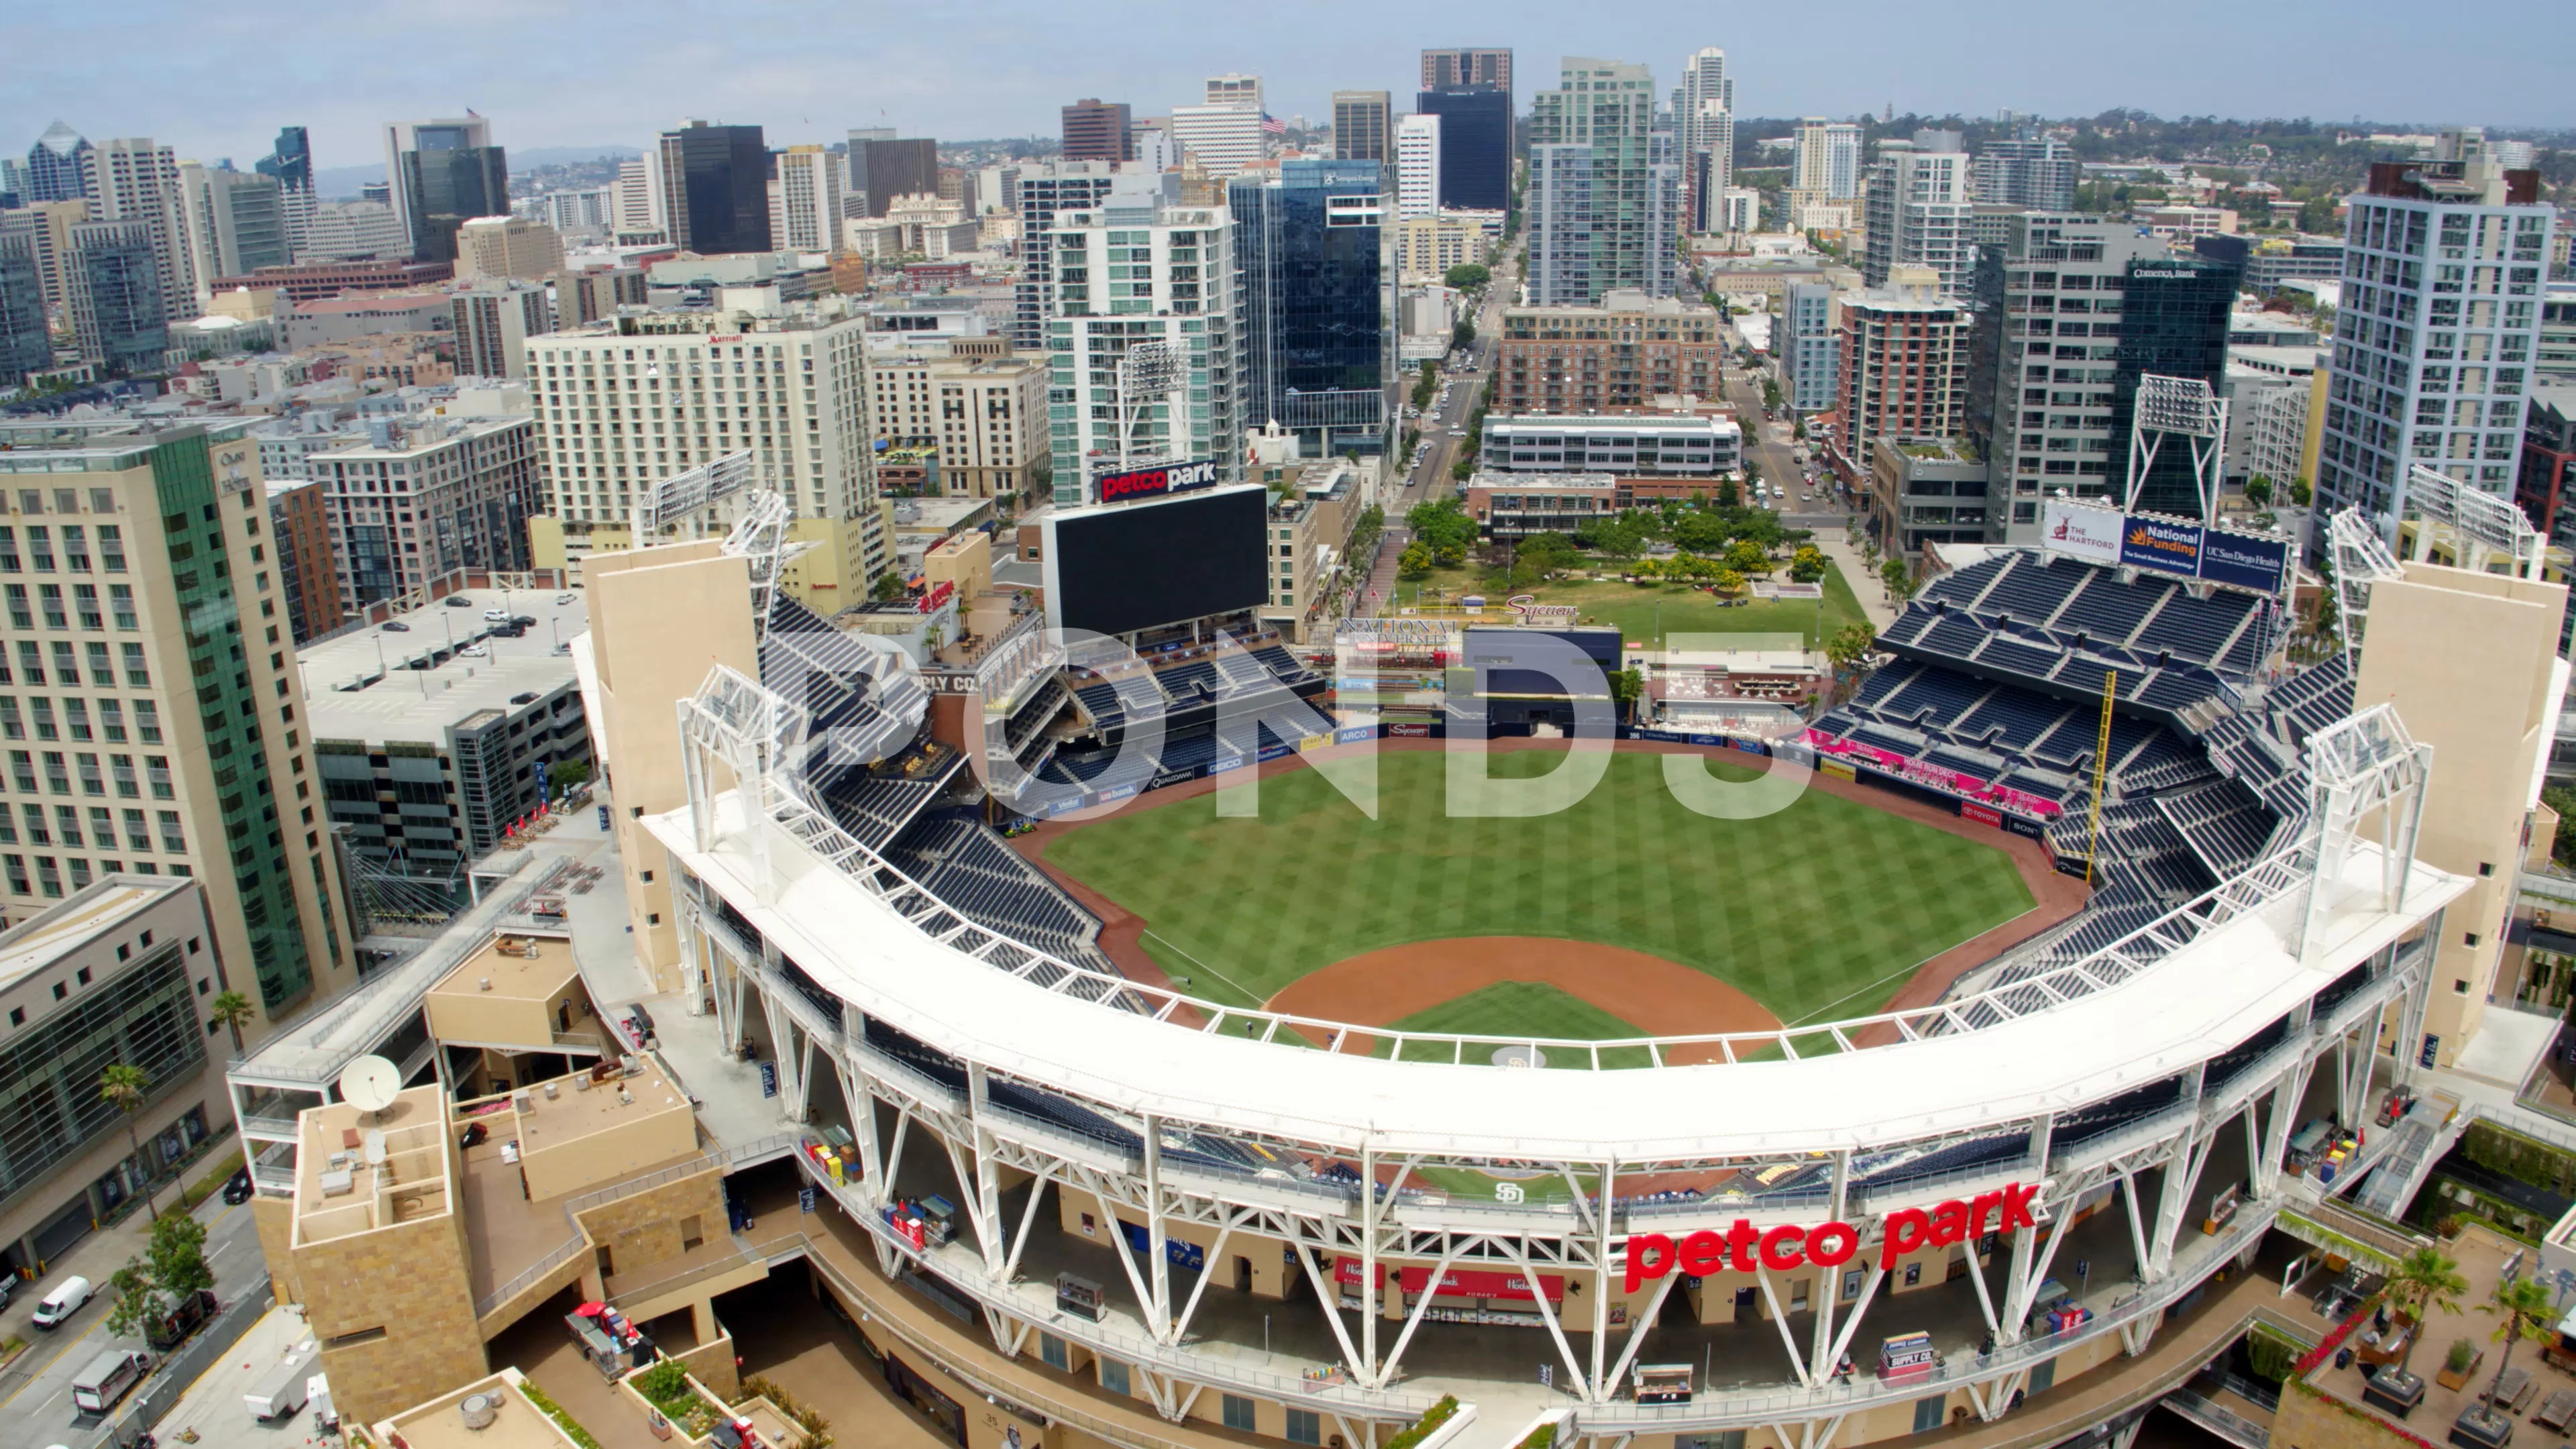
(1904, 351)
(1616, 357)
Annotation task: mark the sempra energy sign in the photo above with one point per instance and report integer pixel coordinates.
(1745, 1247)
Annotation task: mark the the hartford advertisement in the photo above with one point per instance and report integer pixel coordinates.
(2177, 547)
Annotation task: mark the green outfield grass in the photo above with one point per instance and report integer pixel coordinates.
(1522, 1008)
(1816, 912)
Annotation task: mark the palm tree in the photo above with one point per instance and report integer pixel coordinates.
(230, 1009)
(126, 1086)
(2425, 1283)
(2524, 1306)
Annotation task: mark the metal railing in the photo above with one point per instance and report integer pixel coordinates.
(2226, 1423)
(718, 1160)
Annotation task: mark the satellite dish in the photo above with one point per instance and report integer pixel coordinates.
(370, 1084)
(375, 1145)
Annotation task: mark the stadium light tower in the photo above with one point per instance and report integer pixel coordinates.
(1148, 374)
(759, 532)
(2185, 408)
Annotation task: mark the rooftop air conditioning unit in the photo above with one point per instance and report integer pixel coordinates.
(552, 1091)
(483, 983)
(338, 1182)
(581, 1081)
(479, 1410)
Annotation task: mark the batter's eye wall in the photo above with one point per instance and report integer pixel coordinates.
(1120, 569)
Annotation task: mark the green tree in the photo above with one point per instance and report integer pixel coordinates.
(1462, 332)
(1547, 552)
(564, 774)
(1898, 578)
(1427, 387)
(889, 586)
(1728, 581)
(229, 1009)
(127, 1086)
(1746, 557)
(1850, 644)
(1770, 395)
(2300, 492)
(1466, 275)
(2562, 800)
(2258, 490)
(2425, 1283)
(1728, 495)
(1464, 467)
(2523, 1309)
(1626, 687)
(1806, 566)
(1700, 532)
(1415, 561)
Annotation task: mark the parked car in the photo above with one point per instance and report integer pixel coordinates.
(63, 1302)
(497, 616)
(397, 627)
(474, 651)
(237, 1188)
(459, 601)
(565, 598)
(523, 620)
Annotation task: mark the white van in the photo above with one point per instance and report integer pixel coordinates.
(109, 1377)
(281, 1391)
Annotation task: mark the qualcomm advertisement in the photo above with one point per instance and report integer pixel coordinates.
(2176, 547)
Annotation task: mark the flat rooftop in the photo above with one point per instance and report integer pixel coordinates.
(50, 934)
(407, 1183)
(519, 1424)
(570, 1114)
(512, 977)
(415, 682)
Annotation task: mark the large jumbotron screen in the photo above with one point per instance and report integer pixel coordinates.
(1118, 569)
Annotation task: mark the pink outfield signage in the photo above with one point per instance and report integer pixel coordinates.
(1921, 773)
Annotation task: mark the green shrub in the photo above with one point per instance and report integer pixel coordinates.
(537, 1396)
(2463, 1353)
(1432, 1418)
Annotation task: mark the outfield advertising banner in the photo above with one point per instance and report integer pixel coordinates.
(2247, 562)
(1917, 772)
(2080, 530)
(2165, 545)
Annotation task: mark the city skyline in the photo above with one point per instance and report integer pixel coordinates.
(180, 84)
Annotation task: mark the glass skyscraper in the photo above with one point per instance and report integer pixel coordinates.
(1318, 302)
(2173, 323)
(1475, 147)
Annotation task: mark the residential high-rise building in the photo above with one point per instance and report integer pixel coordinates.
(168, 733)
(1317, 307)
(1475, 146)
(441, 174)
(883, 167)
(492, 324)
(1225, 137)
(1809, 345)
(424, 496)
(132, 178)
(1417, 166)
(807, 213)
(291, 162)
(1178, 290)
(2070, 311)
(2438, 331)
(1739, 209)
(1617, 357)
(2033, 172)
(1902, 351)
(1601, 210)
(47, 225)
(1234, 90)
(25, 345)
(1705, 117)
(1360, 124)
(638, 194)
(299, 518)
(813, 450)
(58, 166)
(1467, 68)
(982, 406)
(1916, 210)
(1098, 130)
(499, 248)
(236, 222)
(1043, 189)
(1826, 160)
(715, 189)
(119, 318)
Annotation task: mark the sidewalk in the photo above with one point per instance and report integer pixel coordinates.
(1865, 585)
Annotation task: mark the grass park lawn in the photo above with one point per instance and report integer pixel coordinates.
(1680, 609)
(1814, 912)
(1524, 1009)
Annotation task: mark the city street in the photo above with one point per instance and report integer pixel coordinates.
(35, 1391)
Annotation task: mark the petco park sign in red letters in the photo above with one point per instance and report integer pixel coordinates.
(1745, 1247)
(1149, 482)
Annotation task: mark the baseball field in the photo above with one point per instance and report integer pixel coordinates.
(1625, 915)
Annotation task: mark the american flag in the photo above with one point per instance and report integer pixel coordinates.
(1273, 126)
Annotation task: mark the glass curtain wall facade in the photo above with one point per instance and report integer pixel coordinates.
(2173, 323)
(1475, 147)
(447, 182)
(1318, 302)
(50, 1106)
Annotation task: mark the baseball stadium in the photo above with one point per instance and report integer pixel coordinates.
(1946, 1089)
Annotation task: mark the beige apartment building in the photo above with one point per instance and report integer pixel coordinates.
(513, 248)
(1426, 247)
(979, 404)
(152, 714)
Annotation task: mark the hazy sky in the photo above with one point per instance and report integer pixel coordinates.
(218, 80)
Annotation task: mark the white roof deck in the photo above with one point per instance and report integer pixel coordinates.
(2197, 1002)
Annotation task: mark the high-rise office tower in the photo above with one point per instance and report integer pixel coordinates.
(1226, 137)
(503, 248)
(1705, 116)
(1098, 130)
(47, 225)
(1475, 146)
(236, 222)
(2438, 333)
(292, 162)
(1318, 302)
(132, 178)
(2033, 172)
(58, 166)
(807, 216)
(440, 174)
(1467, 68)
(1417, 166)
(158, 674)
(1601, 211)
(1234, 90)
(492, 324)
(120, 318)
(24, 344)
(1916, 209)
(13, 183)
(1808, 346)
(1360, 123)
(883, 167)
(2070, 311)
(715, 189)
(1826, 162)
(638, 193)
(2173, 323)
(1127, 274)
